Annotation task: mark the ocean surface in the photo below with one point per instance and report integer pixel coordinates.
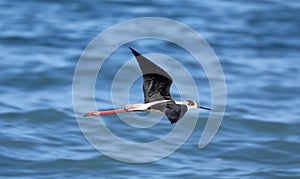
(257, 43)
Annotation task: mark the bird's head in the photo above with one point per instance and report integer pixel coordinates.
(193, 104)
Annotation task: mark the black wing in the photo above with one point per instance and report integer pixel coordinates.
(157, 82)
(172, 110)
(175, 111)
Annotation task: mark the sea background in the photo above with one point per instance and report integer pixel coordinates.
(257, 43)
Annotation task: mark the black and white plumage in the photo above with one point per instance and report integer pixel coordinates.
(156, 88)
(157, 97)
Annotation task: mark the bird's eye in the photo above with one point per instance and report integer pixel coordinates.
(190, 102)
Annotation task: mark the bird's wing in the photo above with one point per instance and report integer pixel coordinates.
(175, 111)
(157, 82)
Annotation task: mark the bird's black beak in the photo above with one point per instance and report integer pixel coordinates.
(203, 107)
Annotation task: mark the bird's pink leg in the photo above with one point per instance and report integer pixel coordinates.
(98, 113)
(129, 108)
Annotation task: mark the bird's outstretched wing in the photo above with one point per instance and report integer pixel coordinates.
(175, 111)
(157, 82)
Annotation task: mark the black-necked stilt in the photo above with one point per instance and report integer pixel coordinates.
(157, 98)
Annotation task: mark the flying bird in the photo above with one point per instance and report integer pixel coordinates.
(157, 98)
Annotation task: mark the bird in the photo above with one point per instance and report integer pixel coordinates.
(157, 97)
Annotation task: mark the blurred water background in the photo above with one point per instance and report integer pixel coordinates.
(257, 43)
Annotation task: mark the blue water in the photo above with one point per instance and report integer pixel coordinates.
(257, 43)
